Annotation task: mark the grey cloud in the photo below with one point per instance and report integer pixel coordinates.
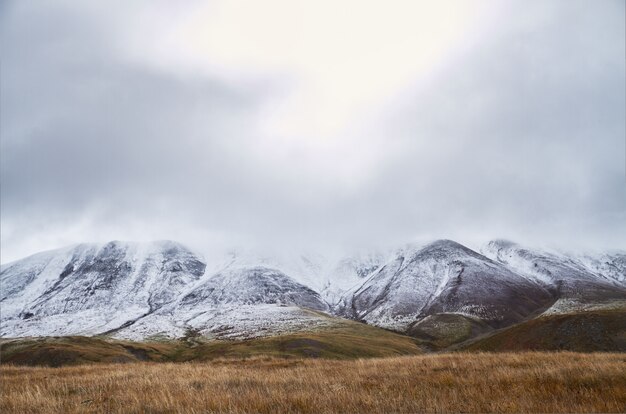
(526, 136)
(522, 137)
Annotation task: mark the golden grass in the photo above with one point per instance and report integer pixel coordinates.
(522, 382)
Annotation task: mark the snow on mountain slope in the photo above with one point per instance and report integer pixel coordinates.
(444, 277)
(135, 290)
(91, 288)
(581, 281)
(226, 322)
(305, 269)
(251, 286)
(234, 303)
(162, 289)
(329, 276)
(37, 272)
(611, 266)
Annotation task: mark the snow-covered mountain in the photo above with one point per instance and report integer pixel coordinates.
(580, 281)
(93, 288)
(137, 290)
(331, 277)
(445, 277)
(241, 301)
(163, 289)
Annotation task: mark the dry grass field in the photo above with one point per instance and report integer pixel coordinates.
(458, 382)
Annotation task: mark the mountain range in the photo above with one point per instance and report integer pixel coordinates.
(442, 294)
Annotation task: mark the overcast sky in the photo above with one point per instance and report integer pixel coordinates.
(318, 124)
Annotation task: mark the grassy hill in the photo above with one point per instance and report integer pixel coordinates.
(440, 331)
(589, 331)
(345, 340)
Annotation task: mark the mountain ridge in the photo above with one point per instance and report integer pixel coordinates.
(442, 292)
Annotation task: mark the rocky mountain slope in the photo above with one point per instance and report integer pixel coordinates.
(445, 277)
(580, 281)
(90, 288)
(441, 293)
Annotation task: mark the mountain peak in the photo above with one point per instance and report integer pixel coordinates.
(502, 244)
(448, 248)
(444, 244)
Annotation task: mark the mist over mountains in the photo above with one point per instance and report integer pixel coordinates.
(233, 125)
